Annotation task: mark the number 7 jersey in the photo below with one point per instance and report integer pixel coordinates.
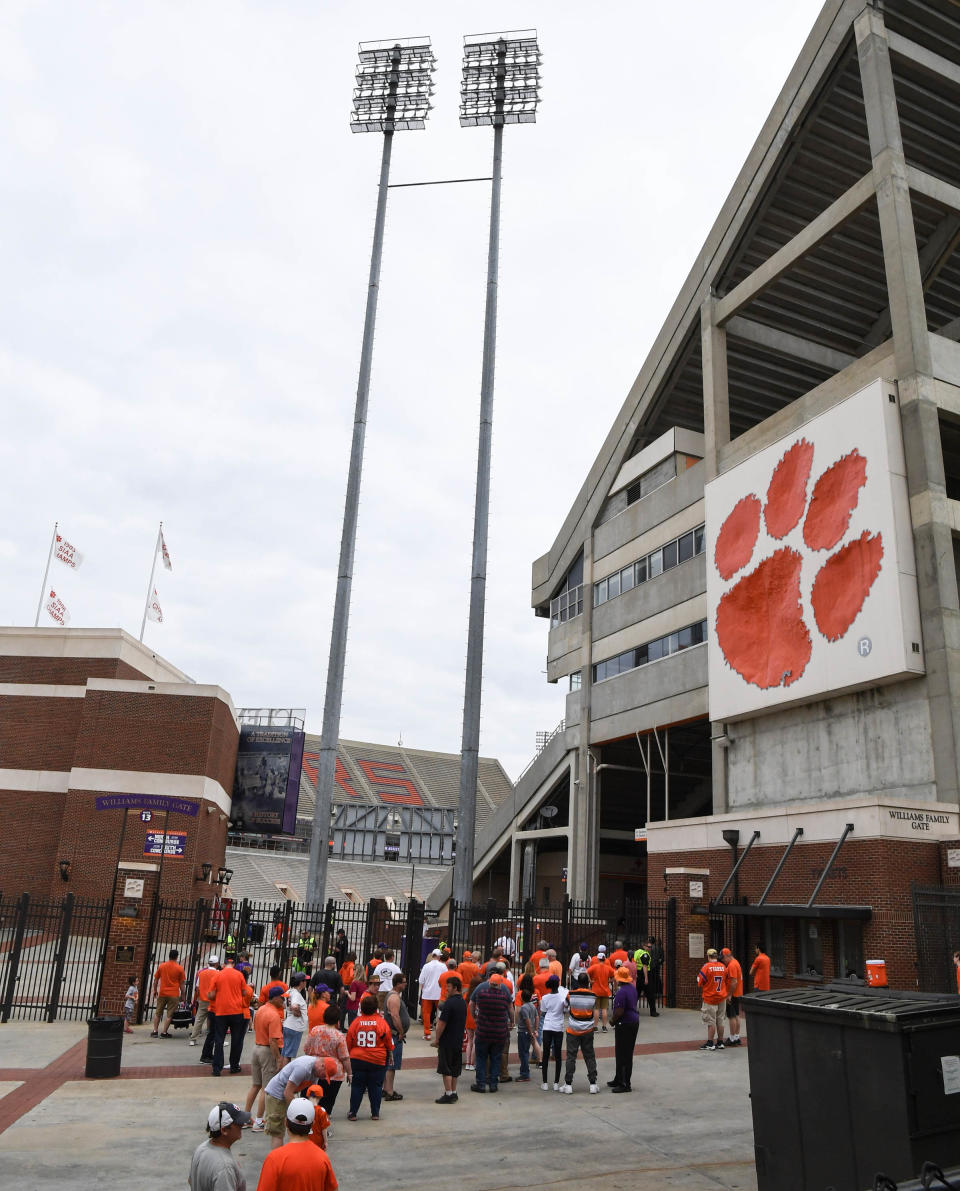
(712, 979)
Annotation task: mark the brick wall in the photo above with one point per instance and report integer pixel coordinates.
(38, 733)
(29, 843)
(64, 671)
(876, 873)
(153, 732)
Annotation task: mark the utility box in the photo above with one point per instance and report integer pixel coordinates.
(846, 1083)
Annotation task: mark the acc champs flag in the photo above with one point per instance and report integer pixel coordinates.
(66, 553)
(154, 611)
(165, 553)
(56, 609)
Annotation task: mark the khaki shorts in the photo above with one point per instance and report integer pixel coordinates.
(713, 1015)
(167, 1004)
(603, 1002)
(275, 1117)
(263, 1066)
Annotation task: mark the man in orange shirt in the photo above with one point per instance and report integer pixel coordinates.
(451, 971)
(618, 953)
(541, 978)
(734, 992)
(262, 996)
(229, 994)
(554, 965)
(299, 1163)
(168, 983)
(539, 954)
(265, 1060)
(467, 970)
(601, 978)
(760, 970)
(712, 979)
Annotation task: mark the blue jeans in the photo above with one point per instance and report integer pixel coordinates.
(367, 1077)
(523, 1049)
(489, 1051)
(291, 1042)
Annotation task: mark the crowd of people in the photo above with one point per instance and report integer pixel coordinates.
(347, 1024)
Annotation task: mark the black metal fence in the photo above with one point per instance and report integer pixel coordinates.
(936, 915)
(52, 951)
(51, 956)
(565, 925)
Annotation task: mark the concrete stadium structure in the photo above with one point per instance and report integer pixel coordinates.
(824, 303)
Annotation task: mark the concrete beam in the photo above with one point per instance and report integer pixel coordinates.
(716, 393)
(786, 344)
(933, 256)
(804, 242)
(921, 56)
(933, 188)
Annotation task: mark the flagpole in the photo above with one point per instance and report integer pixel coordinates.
(153, 571)
(46, 574)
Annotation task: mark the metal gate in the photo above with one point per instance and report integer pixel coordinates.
(936, 915)
(278, 935)
(51, 957)
(565, 925)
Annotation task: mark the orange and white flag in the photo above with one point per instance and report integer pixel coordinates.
(67, 553)
(165, 553)
(56, 609)
(154, 611)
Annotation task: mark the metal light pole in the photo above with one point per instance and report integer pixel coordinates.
(500, 86)
(394, 86)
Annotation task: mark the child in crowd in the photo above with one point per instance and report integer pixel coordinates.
(130, 1004)
(528, 1020)
(321, 1122)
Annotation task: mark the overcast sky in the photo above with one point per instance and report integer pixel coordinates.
(186, 223)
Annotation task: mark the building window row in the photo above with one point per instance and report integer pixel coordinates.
(662, 647)
(566, 606)
(665, 558)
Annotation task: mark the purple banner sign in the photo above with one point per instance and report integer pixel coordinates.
(149, 802)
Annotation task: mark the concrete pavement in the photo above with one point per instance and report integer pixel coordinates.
(686, 1125)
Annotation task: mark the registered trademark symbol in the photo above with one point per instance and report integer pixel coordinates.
(864, 645)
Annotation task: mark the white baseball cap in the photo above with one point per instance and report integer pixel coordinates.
(213, 959)
(224, 1114)
(300, 1111)
(601, 950)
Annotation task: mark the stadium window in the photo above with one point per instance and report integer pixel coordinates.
(776, 946)
(810, 949)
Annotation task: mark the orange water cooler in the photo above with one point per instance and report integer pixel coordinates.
(877, 973)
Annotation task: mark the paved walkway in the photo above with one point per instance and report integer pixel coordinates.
(687, 1124)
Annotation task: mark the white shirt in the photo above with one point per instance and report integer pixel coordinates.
(430, 975)
(506, 943)
(552, 1006)
(290, 1020)
(386, 971)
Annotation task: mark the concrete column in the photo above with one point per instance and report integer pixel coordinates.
(716, 395)
(718, 760)
(583, 858)
(936, 574)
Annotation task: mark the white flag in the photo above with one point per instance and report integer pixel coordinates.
(66, 553)
(154, 611)
(165, 553)
(56, 609)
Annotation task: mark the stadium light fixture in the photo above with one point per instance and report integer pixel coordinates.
(500, 85)
(392, 94)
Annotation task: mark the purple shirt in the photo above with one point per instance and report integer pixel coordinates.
(626, 999)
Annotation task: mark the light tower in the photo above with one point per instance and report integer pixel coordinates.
(500, 86)
(394, 86)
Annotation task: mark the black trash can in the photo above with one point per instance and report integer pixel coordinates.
(104, 1047)
(845, 1083)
